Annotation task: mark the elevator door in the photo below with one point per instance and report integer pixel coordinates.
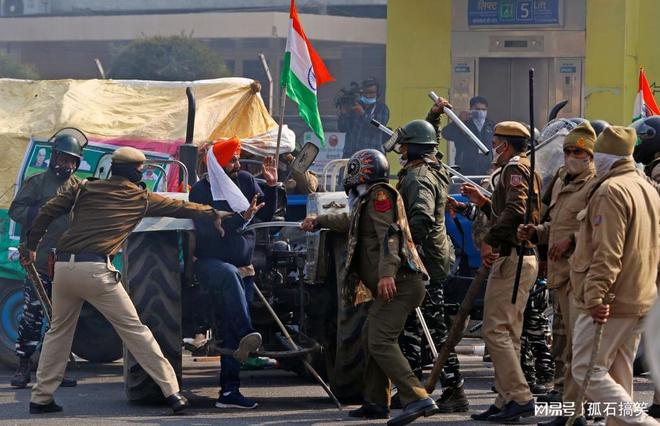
(504, 82)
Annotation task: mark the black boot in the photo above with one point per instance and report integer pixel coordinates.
(23, 374)
(369, 410)
(68, 383)
(44, 408)
(177, 402)
(453, 400)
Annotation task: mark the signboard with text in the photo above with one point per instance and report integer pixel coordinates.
(513, 12)
(333, 149)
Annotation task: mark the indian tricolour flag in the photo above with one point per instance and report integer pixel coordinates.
(645, 105)
(303, 72)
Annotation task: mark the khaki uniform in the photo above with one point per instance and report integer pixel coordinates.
(104, 213)
(379, 246)
(617, 252)
(567, 200)
(502, 321)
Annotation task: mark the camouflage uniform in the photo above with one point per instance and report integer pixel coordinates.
(535, 354)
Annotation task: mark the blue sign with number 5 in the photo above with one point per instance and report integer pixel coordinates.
(513, 12)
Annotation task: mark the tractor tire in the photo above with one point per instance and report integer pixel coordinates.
(95, 339)
(152, 275)
(11, 312)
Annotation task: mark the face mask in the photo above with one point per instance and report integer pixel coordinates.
(129, 171)
(497, 155)
(478, 114)
(576, 166)
(367, 101)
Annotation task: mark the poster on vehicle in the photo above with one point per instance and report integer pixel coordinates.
(333, 149)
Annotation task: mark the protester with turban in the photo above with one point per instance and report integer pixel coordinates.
(223, 265)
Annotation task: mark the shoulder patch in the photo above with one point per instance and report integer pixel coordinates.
(514, 160)
(516, 180)
(597, 220)
(382, 202)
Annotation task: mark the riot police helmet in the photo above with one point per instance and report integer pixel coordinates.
(599, 125)
(366, 166)
(648, 134)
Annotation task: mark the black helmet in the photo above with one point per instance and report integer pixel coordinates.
(599, 125)
(419, 132)
(69, 140)
(648, 133)
(364, 167)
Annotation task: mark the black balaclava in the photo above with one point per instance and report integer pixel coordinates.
(128, 170)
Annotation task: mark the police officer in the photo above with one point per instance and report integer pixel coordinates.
(382, 256)
(616, 253)
(569, 195)
(423, 185)
(104, 214)
(500, 251)
(34, 193)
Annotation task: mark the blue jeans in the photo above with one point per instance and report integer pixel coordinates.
(230, 298)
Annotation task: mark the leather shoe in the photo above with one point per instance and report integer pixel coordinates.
(369, 410)
(513, 411)
(485, 414)
(44, 408)
(177, 402)
(424, 407)
(68, 383)
(562, 420)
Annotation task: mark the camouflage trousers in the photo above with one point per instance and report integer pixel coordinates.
(32, 323)
(413, 342)
(535, 354)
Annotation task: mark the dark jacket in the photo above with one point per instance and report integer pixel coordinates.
(423, 187)
(360, 133)
(235, 247)
(468, 156)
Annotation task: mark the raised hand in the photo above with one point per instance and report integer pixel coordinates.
(270, 171)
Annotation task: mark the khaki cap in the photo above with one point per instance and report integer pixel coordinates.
(616, 140)
(511, 128)
(582, 137)
(127, 154)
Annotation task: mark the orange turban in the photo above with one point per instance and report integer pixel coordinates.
(225, 149)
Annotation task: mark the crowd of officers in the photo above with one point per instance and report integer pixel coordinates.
(599, 219)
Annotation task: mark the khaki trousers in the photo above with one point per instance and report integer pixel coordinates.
(612, 377)
(384, 360)
(569, 312)
(503, 325)
(97, 283)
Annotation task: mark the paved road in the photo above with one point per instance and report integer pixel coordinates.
(284, 398)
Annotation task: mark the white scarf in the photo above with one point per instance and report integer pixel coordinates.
(223, 188)
(604, 162)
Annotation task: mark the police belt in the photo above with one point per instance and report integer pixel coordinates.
(506, 250)
(82, 257)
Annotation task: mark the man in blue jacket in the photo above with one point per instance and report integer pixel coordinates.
(223, 263)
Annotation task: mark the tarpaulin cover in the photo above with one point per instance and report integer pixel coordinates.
(150, 115)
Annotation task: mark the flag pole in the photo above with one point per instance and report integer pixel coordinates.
(279, 129)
